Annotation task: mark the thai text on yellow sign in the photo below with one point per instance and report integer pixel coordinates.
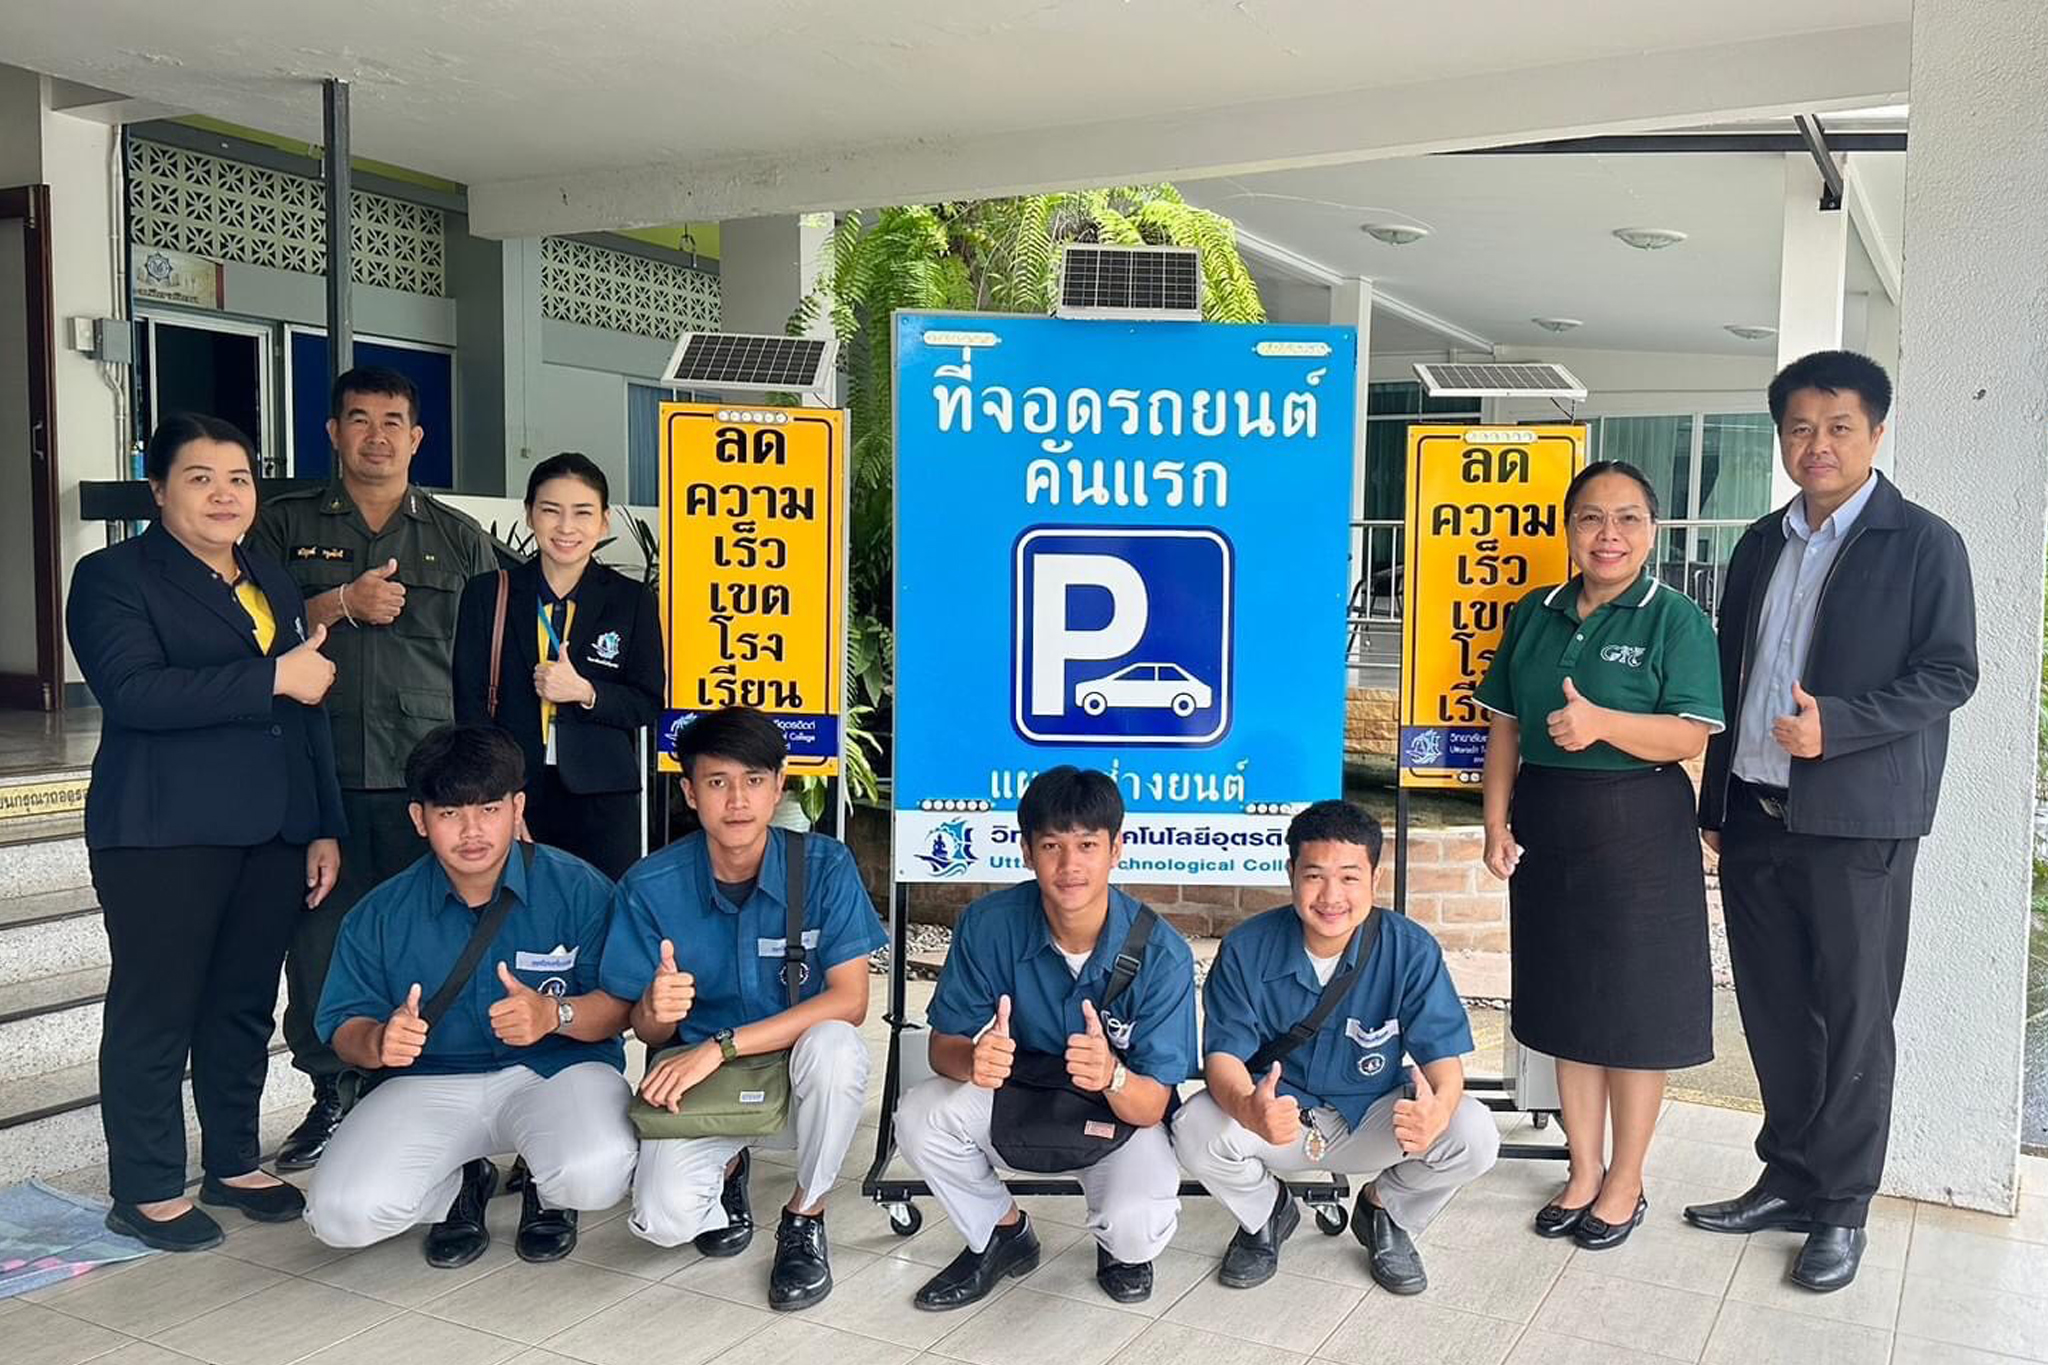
(753, 571)
(1485, 525)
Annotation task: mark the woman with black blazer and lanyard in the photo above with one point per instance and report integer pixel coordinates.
(211, 819)
(579, 669)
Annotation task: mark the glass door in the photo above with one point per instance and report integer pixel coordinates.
(212, 365)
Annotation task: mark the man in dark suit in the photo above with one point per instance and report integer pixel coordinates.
(1848, 634)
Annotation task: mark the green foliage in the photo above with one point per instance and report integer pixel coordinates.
(992, 255)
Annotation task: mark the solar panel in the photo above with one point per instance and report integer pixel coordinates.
(1147, 282)
(1517, 379)
(763, 364)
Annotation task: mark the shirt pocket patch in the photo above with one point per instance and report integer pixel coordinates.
(560, 960)
(1372, 1037)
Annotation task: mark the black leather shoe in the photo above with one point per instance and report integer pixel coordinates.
(1754, 1210)
(1253, 1257)
(281, 1203)
(803, 1267)
(307, 1143)
(461, 1237)
(1123, 1281)
(1554, 1220)
(192, 1230)
(1595, 1233)
(1390, 1253)
(738, 1231)
(1830, 1258)
(973, 1275)
(544, 1234)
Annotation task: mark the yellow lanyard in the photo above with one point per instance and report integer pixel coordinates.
(543, 639)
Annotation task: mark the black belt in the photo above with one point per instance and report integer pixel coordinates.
(1772, 800)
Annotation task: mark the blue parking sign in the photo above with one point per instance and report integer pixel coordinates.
(1124, 546)
(1122, 634)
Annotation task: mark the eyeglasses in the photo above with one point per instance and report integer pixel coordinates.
(1627, 521)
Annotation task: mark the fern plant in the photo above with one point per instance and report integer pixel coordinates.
(989, 255)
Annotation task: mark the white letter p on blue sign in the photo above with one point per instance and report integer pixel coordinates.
(1056, 640)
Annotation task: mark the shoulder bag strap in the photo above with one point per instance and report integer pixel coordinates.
(793, 938)
(1333, 993)
(480, 938)
(498, 642)
(1130, 958)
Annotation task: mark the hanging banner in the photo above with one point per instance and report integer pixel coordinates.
(753, 571)
(1121, 545)
(1485, 524)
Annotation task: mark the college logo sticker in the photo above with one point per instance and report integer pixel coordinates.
(1631, 655)
(606, 647)
(555, 987)
(952, 849)
(1119, 1031)
(1371, 1064)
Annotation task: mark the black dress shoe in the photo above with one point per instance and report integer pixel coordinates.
(1595, 1233)
(544, 1234)
(1754, 1210)
(1123, 1281)
(973, 1275)
(803, 1267)
(461, 1237)
(1830, 1258)
(192, 1230)
(738, 1231)
(1390, 1253)
(280, 1203)
(307, 1143)
(1253, 1257)
(1554, 1220)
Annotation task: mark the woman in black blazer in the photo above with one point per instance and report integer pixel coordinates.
(212, 817)
(581, 669)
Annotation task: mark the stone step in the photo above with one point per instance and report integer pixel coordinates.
(38, 856)
(49, 933)
(50, 1022)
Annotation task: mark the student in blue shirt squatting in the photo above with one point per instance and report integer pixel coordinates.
(698, 934)
(1027, 969)
(1337, 1101)
(526, 1058)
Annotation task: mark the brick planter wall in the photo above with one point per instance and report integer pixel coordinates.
(1371, 723)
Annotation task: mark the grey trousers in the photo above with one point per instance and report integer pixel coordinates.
(676, 1189)
(1133, 1193)
(396, 1161)
(1235, 1165)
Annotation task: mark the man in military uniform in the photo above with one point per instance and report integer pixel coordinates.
(382, 566)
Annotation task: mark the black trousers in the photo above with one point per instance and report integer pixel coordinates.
(380, 844)
(601, 828)
(196, 936)
(1817, 936)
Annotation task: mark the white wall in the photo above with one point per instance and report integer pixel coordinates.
(584, 410)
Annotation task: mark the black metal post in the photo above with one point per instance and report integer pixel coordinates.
(341, 328)
(1400, 845)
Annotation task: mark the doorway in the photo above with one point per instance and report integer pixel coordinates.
(30, 575)
(218, 366)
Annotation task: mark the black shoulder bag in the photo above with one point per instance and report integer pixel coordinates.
(1277, 1049)
(354, 1083)
(1042, 1121)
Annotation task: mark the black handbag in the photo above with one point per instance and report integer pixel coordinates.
(355, 1082)
(1042, 1121)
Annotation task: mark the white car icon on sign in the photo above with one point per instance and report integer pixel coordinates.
(1145, 687)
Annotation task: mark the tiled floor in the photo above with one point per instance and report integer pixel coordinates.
(1938, 1286)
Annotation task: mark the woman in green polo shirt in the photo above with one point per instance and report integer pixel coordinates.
(1602, 686)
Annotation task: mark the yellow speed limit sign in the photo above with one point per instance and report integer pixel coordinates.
(753, 571)
(1485, 524)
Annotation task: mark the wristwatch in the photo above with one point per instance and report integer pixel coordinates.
(1116, 1080)
(565, 1015)
(727, 1048)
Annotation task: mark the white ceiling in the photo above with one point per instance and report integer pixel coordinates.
(1519, 237)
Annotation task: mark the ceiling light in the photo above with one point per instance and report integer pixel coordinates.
(1650, 239)
(1750, 331)
(1394, 234)
(1557, 324)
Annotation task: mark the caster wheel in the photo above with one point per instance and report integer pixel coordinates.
(1539, 1120)
(1332, 1219)
(905, 1220)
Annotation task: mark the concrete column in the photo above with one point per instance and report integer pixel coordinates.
(1975, 349)
(1351, 306)
(1812, 269)
(766, 266)
(496, 287)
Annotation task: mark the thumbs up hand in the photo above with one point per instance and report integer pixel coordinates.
(373, 598)
(303, 673)
(1799, 734)
(1272, 1115)
(994, 1051)
(670, 994)
(524, 1016)
(1578, 724)
(404, 1035)
(1419, 1122)
(1090, 1063)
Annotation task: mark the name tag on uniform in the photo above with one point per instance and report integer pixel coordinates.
(1372, 1037)
(560, 960)
(772, 947)
(753, 1097)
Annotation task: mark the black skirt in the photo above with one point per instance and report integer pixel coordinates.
(1608, 912)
